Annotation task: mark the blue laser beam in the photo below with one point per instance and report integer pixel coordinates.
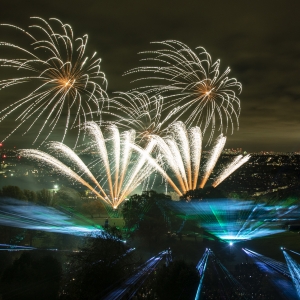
(274, 264)
(294, 269)
(234, 220)
(201, 267)
(24, 215)
(278, 273)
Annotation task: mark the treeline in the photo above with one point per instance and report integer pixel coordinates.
(33, 275)
(11, 191)
(102, 265)
(65, 197)
(150, 217)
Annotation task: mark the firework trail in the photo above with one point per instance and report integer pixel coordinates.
(63, 81)
(157, 166)
(192, 83)
(115, 173)
(138, 111)
(213, 158)
(234, 165)
(181, 155)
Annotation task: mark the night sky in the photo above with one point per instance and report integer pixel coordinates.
(259, 40)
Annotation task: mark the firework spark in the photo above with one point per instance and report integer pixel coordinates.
(228, 170)
(192, 82)
(116, 171)
(181, 155)
(213, 158)
(138, 111)
(63, 80)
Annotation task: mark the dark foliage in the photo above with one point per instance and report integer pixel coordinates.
(147, 215)
(206, 193)
(31, 278)
(134, 210)
(93, 208)
(11, 191)
(97, 267)
(67, 197)
(179, 280)
(44, 196)
(30, 195)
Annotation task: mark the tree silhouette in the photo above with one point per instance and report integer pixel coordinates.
(12, 191)
(178, 280)
(100, 263)
(31, 278)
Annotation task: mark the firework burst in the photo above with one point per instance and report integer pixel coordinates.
(138, 111)
(193, 84)
(181, 155)
(228, 170)
(115, 172)
(63, 81)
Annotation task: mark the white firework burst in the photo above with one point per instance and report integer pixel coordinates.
(138, 111)
(62, 80)
(181, 157)
(193, 83)
(116, 171)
